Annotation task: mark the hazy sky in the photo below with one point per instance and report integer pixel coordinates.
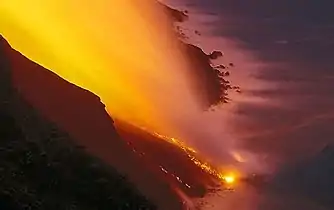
(295, 39)
(291, 45)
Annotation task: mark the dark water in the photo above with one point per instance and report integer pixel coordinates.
(292, 43)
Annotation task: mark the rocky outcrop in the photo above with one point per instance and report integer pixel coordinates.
(210, 81)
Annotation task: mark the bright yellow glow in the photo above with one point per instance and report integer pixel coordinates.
(122, 50)
(229, 179)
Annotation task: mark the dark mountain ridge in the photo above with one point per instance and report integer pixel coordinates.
(75, 112)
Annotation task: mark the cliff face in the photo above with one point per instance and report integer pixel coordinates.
(41, 105)
(210, 82)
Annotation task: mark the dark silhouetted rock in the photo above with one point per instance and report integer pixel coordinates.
(215, 54)
(208, 83)
(197, 33)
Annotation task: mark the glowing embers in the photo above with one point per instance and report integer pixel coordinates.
(175, 177)
(226, 178)
(191, 153)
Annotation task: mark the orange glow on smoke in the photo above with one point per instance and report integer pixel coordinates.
(229, 179)
(238, 157)
(122, 50)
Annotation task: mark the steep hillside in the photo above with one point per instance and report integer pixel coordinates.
(43, 107)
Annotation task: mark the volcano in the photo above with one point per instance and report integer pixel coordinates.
(62, 149)
(40, 109)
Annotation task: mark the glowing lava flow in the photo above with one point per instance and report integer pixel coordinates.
(227, 178)
(205, 166)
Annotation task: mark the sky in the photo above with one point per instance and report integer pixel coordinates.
(283, 52)
(291, 48)
(295, 39)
